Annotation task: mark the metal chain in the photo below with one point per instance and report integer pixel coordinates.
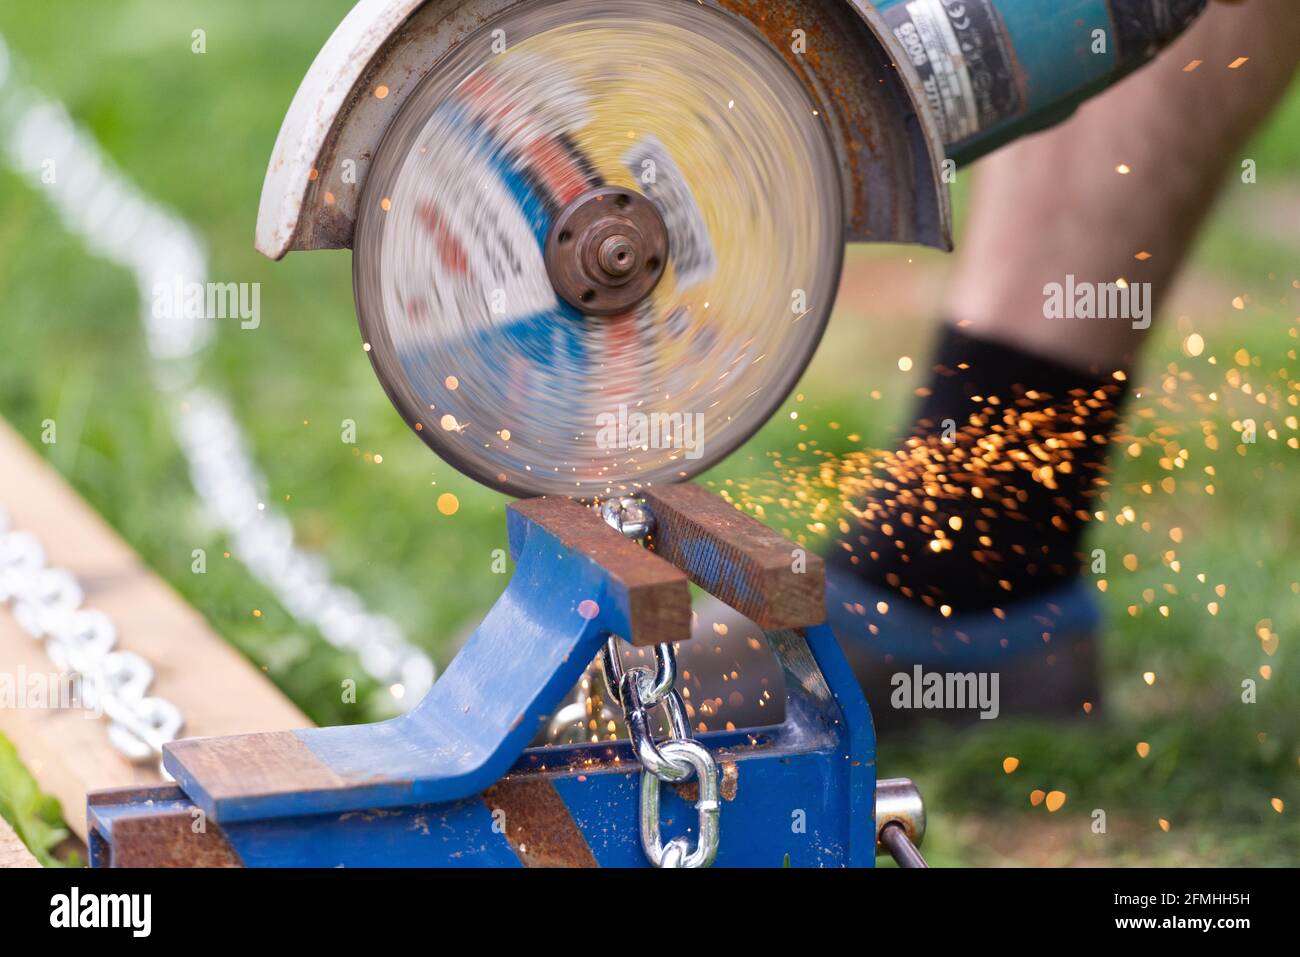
(80, 641)
(676, 758)
(125, 226)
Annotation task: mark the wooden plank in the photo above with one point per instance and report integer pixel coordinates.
(735, 557)
(13, 852)
(658, 598)
(218, 691)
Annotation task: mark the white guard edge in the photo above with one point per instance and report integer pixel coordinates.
(311, 116)
(350, 50)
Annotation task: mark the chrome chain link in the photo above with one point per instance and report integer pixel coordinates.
(123, 225)
(674, 759)
(46, 603)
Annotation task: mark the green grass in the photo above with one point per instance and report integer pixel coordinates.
(35, 817)
(195, 132)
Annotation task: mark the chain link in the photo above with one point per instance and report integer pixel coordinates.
(80, 641)
(676, 853)
(675, 759)
(127, 227)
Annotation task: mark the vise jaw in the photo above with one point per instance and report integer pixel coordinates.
(454, 782)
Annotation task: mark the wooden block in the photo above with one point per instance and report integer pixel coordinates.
(13, 852)
(218, 691)
(765, 576)
(658, 597)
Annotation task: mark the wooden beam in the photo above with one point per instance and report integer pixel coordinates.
(218, 690)
(736, 558)
(13, 853)
(659, 601)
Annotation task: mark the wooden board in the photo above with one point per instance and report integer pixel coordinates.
(13, 853)
(218, 690)
(659, 602)
(736, 558)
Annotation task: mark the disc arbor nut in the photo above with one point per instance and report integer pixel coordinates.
(606, 251)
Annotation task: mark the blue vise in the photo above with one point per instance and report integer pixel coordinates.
(455, 782)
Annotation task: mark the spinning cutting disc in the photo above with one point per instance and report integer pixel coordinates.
(598, 245)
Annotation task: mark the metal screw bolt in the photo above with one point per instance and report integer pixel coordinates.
(628, 515)
(617, 255)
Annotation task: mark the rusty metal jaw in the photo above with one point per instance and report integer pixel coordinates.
(453, 783)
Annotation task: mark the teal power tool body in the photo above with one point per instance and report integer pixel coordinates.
(993, 70)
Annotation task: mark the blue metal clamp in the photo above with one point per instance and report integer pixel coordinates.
(454, 783)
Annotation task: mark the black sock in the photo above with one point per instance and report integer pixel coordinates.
(986, 500)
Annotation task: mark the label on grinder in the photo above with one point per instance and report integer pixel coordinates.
(961, 52)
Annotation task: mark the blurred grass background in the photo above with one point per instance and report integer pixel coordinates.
(195, 131)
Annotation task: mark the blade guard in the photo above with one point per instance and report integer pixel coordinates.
(888, 148)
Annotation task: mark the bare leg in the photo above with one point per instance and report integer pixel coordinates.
(987, 501)
(1054, 204)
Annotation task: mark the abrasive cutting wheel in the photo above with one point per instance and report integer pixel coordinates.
(598, 245)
